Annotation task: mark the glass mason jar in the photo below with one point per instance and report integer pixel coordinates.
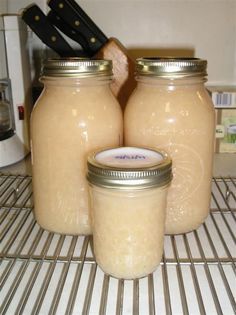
(75, 114)
(5, 117)
(128, 188)
(6, 121)
(171, 110)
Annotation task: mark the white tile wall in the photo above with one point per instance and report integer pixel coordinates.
(203, 28)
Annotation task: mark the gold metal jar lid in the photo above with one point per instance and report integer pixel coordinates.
(129, 167)
(74, 67)
(166, 67)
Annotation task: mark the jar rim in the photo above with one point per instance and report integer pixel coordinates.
(76, 67)
(129, 167)
(171, 67)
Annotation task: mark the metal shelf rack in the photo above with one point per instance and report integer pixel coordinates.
(47, 273)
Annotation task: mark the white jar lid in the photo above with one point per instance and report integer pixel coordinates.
(126, 167)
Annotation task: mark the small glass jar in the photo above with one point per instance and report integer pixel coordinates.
(75, 114)
(172, 110)
(128, 190)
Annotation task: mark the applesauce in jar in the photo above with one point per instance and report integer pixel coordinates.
(171, 109)
(128, 189)
(75, 114)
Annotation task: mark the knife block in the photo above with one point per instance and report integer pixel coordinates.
(123, 82)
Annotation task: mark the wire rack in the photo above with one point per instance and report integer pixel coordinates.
(47, 273)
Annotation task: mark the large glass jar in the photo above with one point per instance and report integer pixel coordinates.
(171, 109)
(75, 114)
(128, 188)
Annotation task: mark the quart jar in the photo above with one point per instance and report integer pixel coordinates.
(75, 114)
(128, 189)
(171, 110)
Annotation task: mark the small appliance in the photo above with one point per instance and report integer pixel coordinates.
(15, 87)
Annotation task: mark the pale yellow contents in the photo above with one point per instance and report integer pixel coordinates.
(180, 120)
(128, 230)
(67, 123)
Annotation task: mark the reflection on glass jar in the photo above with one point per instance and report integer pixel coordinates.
(5, 117)
(5, 113)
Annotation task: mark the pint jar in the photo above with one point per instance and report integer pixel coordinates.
(171, 110)
(75, 114)
(128, 189)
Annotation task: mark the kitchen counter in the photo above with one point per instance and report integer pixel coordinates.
(224, 165)
(23, 167)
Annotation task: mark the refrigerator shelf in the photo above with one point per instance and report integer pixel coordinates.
(48, 273)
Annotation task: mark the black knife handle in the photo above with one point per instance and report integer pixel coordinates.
(97, 31)
(80, 22)
(68, 31)
(38, 22)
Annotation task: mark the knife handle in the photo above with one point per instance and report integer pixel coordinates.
(68, 31)
(79, 21)
(38, 22)
(96, 30)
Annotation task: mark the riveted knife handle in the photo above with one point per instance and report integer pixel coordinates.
(96, 30)
(41, 26)
(79, 21)
(67, 30)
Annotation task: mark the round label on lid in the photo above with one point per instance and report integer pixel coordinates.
(129, 157)
(129, 167)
